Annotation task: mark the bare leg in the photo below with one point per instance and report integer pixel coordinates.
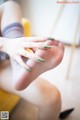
(48, 97)
(53, 56)
(42, 94)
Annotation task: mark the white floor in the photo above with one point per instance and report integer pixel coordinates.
(69, 88)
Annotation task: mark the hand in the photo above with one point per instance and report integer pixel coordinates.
(52, 56)
(16, 48)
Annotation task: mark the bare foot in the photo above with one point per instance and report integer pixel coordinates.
(52, 56)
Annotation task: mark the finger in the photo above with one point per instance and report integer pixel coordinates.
(30, 55)
(35, 45)
(35, 39)
(21, 62)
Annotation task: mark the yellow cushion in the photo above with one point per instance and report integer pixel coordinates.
(26, 26)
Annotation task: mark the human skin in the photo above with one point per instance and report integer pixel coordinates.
(49, 101)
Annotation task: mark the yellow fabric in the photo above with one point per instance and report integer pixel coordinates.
(7, 101)
(26, 26)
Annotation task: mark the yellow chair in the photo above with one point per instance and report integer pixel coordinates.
(8, 100)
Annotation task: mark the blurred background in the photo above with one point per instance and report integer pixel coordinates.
(61, 21)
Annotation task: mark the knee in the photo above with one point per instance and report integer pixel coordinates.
(51, 97)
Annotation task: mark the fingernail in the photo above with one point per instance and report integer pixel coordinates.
(49, 38)
(47, 47)
(40, 60)
(28, 69)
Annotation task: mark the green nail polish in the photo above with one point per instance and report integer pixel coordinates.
(29, 70)
(49, 38)
(47, 47)
(40, 60)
